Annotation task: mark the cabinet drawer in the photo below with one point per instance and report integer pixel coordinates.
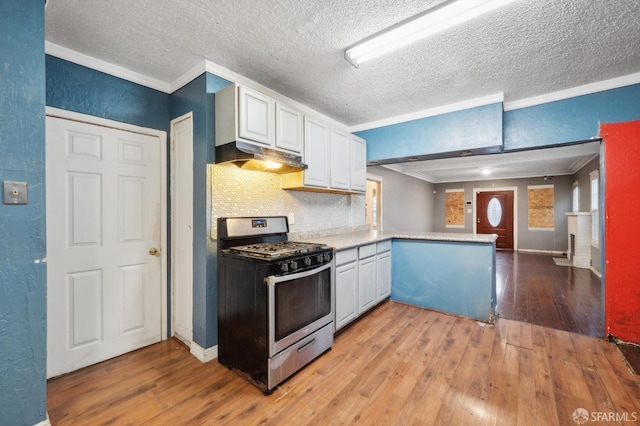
(346, 256)
(366, 251)
(383, 246)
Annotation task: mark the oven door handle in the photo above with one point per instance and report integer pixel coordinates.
(273, 279)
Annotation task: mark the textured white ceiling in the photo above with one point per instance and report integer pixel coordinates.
(294, 47)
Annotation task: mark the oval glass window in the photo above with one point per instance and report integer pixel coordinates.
(494, 212)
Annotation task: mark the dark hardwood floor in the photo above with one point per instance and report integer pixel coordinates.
(399, 365)
(533, 289)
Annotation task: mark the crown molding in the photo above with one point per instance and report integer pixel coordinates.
(587, 89)
(105, 67)
(458, 106)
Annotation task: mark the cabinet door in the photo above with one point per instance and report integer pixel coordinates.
(316, 153)
(289, 134)
(383, 275)
(256, 116)
(366, 283)
(358, 164)
(346, 294)
(340, 164)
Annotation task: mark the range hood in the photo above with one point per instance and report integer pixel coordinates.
(253, 157)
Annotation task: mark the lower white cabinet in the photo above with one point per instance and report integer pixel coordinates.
(366, 277)
(362, 280)
(383, 271)
(346, 287)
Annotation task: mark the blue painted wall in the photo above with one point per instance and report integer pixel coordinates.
(453, 277)
(569, 120)
(197, 97)
(474, 128)
(80, 89)
(23, 321)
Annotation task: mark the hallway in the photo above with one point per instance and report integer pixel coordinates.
(533, 289)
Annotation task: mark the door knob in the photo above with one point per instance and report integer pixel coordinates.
(478, 221)
(153, 251)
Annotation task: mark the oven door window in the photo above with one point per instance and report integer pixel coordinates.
(301, 301)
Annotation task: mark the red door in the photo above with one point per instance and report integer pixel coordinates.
(495, 216)
(621, 233)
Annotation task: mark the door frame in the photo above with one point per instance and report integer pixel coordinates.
(514, 189)
(377, 178)
(162, 137)
(173, 147)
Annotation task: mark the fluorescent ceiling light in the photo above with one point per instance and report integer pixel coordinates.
(434, 20)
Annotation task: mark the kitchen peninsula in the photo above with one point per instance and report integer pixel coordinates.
(448, 272)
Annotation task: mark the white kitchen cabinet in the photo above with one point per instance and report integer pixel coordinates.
(256, 116)
(243, 114)
(362, 280)
(289, 128)
(346, 287)
(316, 152)
(383, 270)
(366, 277)
(340, 162)
(358, 160)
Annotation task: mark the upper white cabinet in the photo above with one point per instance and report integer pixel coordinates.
(336, 160)
(289, 128)
(248, 115)
(317, 139)
(340, 164)
(358, 158)
(256, 116)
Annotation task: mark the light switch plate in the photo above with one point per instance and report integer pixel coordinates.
(15, 192)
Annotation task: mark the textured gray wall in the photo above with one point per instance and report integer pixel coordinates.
(407, 203)
(530, 240)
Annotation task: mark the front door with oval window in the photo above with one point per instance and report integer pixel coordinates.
(495, 216)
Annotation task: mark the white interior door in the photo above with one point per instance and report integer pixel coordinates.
(104, 279)
(182, 227)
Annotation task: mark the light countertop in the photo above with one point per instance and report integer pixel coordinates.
(345, 241)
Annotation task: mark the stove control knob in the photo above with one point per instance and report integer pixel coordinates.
(319, 258)
(327, 257)
(307, 261)
(293, 264)
(284, 267)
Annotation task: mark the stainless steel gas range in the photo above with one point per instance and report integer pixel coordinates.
(274, 300)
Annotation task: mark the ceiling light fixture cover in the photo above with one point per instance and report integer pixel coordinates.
(486, 171)
(434, 20)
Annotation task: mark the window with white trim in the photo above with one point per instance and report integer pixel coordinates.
(595, 205)
(576, 197)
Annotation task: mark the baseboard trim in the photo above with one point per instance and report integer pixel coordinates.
(45, 422)
(598, 274)
(204, 355)
(552, 252)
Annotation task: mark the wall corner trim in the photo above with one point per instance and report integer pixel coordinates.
(105, 67)
(444, 109)
(586, 89)
(204, 355)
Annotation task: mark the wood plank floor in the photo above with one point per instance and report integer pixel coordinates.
(398, 365)
(532, 288)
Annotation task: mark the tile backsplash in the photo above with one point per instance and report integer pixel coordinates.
(237, 192)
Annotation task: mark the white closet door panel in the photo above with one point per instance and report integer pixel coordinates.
(103, 216)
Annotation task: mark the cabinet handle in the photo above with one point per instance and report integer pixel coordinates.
(306, 345)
